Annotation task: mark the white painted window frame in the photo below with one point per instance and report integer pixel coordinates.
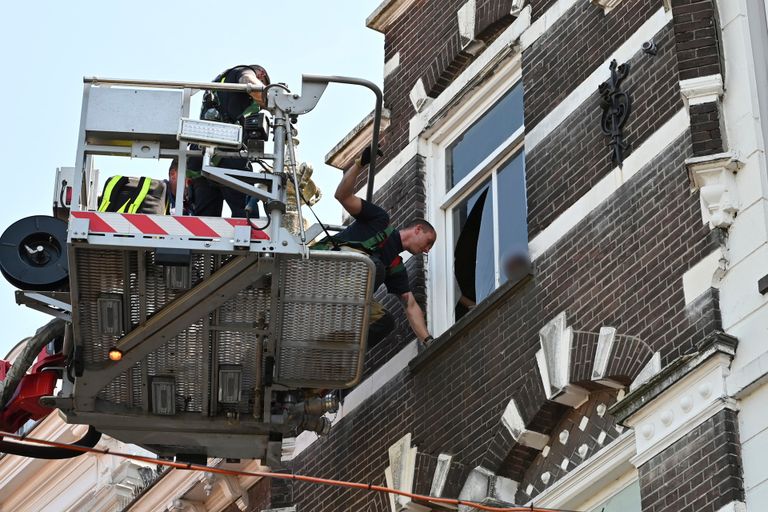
(437, 139)
(609, 471)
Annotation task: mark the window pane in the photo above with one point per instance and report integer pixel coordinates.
(626, 500)
(473, 253)
(487, 134)
(513, 212)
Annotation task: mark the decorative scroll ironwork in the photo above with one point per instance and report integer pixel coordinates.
(616, 105)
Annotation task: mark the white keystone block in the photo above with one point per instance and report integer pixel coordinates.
(400, 474)
(418, 95)
(607, 5)
(649, 370)
(467, 23)
(513, 421)
(517, 7)
(482, 485)
(605, 343)
(441, 474)
(554, 362)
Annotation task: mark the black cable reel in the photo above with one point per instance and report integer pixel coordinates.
(33, 253)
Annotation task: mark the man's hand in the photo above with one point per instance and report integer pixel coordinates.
(365, 156)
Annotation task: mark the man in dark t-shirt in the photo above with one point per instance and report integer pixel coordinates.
(371, 233)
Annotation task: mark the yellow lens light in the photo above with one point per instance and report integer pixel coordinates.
(115, 354)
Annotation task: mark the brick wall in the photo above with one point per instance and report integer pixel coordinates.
(575, 156)
(701, 472)
(539, 7)
(427, 38)
(570, 51)
(705, 129)
(697, 37)
(418, 35)
(404, 198)
(622, 266)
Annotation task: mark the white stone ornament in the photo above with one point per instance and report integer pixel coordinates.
(601, 408)
(714, 176)
(647, 430)
(705, 390)
(563, 437)
(545, 477)
(418, 96)
(666, 417)
(554, 362)
(686, 403)
(583, 450)
(466, 16)
(517, 7)
(607, 5)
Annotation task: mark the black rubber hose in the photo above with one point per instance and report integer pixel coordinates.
(21, 364)
(89, 440)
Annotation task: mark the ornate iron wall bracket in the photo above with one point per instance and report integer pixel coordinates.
(616, 105)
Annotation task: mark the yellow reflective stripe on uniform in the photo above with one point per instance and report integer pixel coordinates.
(122, 208)
(141, 195)
(108, 192)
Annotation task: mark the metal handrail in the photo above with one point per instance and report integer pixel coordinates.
(173, 84)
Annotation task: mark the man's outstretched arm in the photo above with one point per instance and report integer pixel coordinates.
(345, 192)
(415, 316)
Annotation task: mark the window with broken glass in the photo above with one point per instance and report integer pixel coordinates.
(485, 203)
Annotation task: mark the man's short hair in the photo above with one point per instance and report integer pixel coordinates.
(174, 165)
(426, 226)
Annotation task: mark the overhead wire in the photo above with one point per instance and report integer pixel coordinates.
(283, 476)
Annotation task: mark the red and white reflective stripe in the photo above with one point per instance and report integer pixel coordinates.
(144, 224)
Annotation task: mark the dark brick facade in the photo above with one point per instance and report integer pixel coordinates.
(571, 50)
(621, 266)
(575, 156)
(697, 39)
(705, 129)
(427, 38)
(429, 29)
(701, 472)
(539, 7)
(404, 198)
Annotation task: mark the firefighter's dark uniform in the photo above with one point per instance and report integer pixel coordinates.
(371, 233)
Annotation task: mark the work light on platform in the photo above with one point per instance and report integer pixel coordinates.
(210, 133)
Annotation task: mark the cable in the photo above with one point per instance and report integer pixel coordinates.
(332, 239)
(254, 226)
(24, 361)
(89, 440)
(267, 474)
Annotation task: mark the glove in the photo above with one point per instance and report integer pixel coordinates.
(365, 156)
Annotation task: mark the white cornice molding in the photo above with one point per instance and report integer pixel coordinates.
(686, 404)
(344, 153)
(703, 89)
(176, 484)
(386, 13)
